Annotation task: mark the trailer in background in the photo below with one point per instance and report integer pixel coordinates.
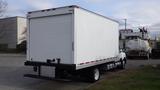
(73, 40)
(156, 50)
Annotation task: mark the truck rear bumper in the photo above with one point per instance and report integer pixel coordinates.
(59, 65)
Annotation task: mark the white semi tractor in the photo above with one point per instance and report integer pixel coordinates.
(137, 47)
(74, 41)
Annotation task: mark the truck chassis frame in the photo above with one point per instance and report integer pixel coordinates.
(102, 65)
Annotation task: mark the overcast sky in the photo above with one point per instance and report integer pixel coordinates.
(138, 12)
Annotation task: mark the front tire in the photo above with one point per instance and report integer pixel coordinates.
(123, 64)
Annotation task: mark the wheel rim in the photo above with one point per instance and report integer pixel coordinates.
(96, 74)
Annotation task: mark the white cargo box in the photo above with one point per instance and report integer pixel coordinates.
(72, 34)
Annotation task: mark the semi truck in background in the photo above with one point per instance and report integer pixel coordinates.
(73, 41)
(136, 46)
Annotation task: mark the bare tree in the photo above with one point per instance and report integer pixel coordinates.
(3, 7)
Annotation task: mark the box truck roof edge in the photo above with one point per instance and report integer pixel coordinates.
(73, 6)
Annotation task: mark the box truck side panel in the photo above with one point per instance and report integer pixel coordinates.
(51, 37)
(96, 37)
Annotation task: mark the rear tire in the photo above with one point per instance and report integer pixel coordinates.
(61, 73)
(93, 74)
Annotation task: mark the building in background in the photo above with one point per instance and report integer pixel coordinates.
(12, 32)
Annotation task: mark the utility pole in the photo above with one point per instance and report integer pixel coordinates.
(124, 44)
(125, 24)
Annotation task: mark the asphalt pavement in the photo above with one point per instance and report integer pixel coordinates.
(12, 70)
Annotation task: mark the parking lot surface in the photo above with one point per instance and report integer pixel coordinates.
(12, 70)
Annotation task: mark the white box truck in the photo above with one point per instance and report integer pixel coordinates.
(74, 41)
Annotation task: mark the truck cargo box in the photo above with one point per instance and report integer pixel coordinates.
(73, 35)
